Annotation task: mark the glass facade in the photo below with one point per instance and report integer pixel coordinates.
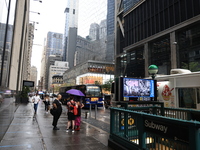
(160, 54)
(110, 30)
(54, 44)
(110, 17)
(7, 14)
(7, 107)
(131, 64)
(154, 16)
(129, 4)
(188, 48)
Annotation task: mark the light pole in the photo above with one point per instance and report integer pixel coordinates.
(38, 1)
(153, 69)
(35, 12)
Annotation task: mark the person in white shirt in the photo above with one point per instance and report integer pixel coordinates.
(36, 100)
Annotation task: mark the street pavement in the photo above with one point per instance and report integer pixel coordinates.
(35, 132)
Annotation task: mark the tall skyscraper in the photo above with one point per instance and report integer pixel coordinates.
(110, 30)
(33, 76)
(54, 44)
(102, 29)
(90, 11)
(71, 21)
(94, 32)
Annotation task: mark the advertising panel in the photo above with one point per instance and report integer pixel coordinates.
(137, 89)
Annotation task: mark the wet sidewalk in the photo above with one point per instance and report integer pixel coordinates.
(29, 132)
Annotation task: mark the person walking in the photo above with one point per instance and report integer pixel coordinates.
(58, 107)
(36, 100)
(47, 103)
(71, 105)
(78, 116)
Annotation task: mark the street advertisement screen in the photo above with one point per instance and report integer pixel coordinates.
(138, 87)
(28, 83)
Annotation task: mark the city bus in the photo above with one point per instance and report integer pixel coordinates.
(93, 94)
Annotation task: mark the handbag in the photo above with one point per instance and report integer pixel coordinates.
(53, 111)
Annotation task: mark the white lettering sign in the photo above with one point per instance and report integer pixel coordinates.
(159, 127)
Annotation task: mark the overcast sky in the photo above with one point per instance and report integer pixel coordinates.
(52, 18)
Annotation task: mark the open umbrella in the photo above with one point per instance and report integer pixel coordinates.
(75, 92)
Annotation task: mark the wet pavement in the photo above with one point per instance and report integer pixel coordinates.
(29, 132)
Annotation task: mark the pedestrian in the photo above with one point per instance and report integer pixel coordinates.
(36, 100)
(47, 103)
(58, 107)
(78, 116)
(71, 105)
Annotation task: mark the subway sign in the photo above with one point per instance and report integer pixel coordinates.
(179, 132)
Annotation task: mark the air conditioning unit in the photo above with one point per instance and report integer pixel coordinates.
(179, 71)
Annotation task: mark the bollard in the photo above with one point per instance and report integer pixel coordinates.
(86, 114)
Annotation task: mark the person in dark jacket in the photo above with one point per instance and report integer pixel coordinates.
(58, 111)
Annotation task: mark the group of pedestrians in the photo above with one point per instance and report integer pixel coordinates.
(74, 120)
(36, 99)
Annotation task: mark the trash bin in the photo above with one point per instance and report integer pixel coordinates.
(86, 114)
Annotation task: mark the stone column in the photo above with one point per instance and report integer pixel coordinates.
(173, 45)
(146, 58)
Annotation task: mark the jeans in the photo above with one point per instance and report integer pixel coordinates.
(35, 107)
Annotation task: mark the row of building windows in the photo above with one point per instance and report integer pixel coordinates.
(154, 16)
(132, 63)
(67, 10)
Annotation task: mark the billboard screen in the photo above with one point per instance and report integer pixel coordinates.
(28, 83)
(138, 88)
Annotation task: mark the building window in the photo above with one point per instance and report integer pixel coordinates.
(67, 10)
(73, 11)
(160, 54)
(188, 48)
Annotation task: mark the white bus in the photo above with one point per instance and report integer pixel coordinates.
(181, 89)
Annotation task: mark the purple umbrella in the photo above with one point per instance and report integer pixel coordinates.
(75, 92)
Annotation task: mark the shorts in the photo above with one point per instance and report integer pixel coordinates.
(71, 116)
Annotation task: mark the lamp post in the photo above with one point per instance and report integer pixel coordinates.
(153, 69)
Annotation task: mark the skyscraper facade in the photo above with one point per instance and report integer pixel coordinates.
(33, 75)
(50, 61)
(110, 30)
(71, 21)
(160, 32)
(14, 45)
(54, 44)
(102, 29)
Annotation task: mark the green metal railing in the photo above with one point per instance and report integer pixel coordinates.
(135, 129)
(158, 108)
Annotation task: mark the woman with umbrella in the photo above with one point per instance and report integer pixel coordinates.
(71, 105)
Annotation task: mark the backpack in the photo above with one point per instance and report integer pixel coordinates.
(75, 110)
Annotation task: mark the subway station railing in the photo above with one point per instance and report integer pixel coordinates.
(153, 127)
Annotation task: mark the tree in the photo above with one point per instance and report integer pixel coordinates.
(97, 82)
(192, 66)
(107, 85)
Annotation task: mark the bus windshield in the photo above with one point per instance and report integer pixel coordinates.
(93, 91)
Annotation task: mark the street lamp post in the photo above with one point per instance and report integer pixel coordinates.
(153, 69)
